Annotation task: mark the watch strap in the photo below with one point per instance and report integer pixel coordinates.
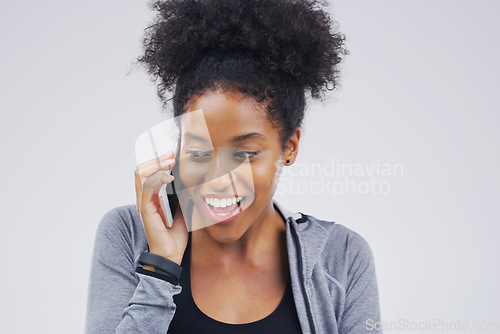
(169, 278)
(161, 264)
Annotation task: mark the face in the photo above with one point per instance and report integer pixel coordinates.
(229, 162)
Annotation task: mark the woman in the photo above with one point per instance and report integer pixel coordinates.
(247, 66)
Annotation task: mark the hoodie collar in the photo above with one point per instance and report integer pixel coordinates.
(285, 212)
(312, 235)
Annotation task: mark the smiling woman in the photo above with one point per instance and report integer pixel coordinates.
(251, 265)
(236, 127)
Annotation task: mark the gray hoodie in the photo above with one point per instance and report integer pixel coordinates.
(332, 272)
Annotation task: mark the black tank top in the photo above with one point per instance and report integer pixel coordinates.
(189, 318)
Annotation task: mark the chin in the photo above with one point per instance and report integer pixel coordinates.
(224, 235)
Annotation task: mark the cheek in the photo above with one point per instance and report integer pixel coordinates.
(264, 174)
(192, 174)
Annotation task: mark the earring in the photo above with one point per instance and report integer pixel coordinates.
(288, 161)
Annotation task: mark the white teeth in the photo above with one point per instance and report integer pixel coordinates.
(222, 203)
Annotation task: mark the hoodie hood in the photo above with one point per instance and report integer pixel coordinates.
(312, 235)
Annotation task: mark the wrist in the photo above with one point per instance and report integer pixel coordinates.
(149, 267)
(174, 258)
(160, 264)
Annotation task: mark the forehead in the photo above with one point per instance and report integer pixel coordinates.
(227, 114)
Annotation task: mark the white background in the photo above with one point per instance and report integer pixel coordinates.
(418, 89)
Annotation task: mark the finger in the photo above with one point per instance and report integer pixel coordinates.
(151, 187)
(167, 156)
(155, 161)
(179, 224)
(148, 168)
(151, 212)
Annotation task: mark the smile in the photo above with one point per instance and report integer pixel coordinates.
(224, 208)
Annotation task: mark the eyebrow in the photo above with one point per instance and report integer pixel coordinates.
(246, 136)
(232, 140)
(195, 137)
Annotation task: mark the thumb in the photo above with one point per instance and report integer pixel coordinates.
(179, 224)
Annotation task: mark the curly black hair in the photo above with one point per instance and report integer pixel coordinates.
(271, 50)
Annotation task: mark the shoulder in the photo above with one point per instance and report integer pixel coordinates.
(120, 218)
(347, 243)
(123, 226)
(345, 253)
(338, 239)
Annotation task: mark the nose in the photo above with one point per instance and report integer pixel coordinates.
(218, 177)
(221, 184)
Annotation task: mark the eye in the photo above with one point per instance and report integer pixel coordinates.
(199, 156)
(243, 155)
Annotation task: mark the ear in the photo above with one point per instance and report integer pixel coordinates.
(291, 148)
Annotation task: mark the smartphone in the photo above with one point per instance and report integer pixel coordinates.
(153, 143)
(167, 194)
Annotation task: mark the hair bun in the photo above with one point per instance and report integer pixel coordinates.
(293, 37)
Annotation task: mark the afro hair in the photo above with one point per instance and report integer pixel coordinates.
(272, 50)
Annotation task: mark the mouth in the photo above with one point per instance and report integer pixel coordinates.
(224, 208)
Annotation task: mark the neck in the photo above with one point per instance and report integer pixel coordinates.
(264, 237)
